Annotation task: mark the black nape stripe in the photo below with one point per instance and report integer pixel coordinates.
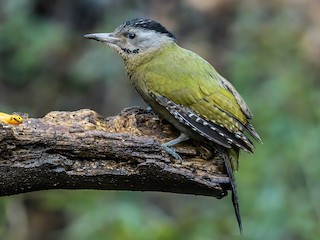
(150, 25)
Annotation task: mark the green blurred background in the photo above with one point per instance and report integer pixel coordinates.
(270, 50)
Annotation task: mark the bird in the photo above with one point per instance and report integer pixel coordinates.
(186, 90)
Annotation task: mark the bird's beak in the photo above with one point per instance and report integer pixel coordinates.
(103, 37)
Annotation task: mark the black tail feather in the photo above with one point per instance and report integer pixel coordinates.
(233, 184)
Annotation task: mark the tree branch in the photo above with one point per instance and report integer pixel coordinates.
(82, 150)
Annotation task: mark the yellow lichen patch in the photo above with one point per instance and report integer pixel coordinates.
(10, 118)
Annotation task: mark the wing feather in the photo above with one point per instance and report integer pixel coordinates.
(199, 89)
(205, 128)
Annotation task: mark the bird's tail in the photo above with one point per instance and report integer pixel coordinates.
(230, 158)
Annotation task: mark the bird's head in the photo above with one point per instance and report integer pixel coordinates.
(136, 37)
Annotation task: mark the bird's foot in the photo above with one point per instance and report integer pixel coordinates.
(172, 152)
(149, 110)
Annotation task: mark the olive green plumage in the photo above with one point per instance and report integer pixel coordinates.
(190, 81)
(185, 90)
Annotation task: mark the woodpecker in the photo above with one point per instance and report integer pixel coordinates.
(184, 89)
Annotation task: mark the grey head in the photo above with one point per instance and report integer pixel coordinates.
(135, 37)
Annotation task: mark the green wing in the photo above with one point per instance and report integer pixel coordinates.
(193, 84)
(197, 96)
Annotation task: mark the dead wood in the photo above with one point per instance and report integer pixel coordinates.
(82, 150)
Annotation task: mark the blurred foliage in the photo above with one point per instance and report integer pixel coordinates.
(270, 50)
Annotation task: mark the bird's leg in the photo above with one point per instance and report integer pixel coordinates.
(168, 145)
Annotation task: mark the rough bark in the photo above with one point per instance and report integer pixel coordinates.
(82, 150)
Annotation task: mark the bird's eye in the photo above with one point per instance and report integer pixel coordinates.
(131, 35)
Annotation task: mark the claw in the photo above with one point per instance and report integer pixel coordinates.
(170, 150)
(149, 110)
